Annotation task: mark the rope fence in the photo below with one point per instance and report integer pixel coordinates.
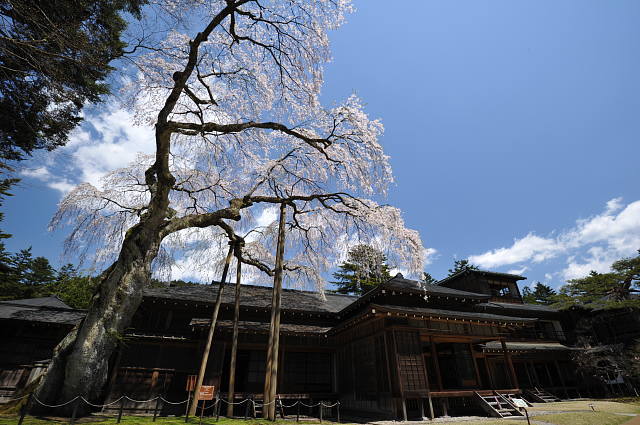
(32, 398)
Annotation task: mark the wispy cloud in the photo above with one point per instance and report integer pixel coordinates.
(104, 142)
(592, 244)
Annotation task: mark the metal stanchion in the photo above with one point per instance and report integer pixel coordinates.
(24, 408)
(120, 410)
(155, 410)
(72, 420)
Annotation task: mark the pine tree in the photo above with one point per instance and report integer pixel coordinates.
(427, 278)
(364, 269)
(460, 265)
(541, 294)
(614, 289)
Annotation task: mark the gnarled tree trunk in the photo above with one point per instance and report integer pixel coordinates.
(79, 366)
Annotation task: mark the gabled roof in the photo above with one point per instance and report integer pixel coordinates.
(255, 296)
(50, 301)
(402, 285)
(484, 273)
(43, 310)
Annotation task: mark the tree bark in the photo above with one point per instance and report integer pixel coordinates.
(234, 340)
(271, 374)
(79, 366)
(212, 328)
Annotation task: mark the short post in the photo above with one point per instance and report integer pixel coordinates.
(24, 408)
(201, 411)
(320, 406)
(186, 415)
(155, 410)
(298, 412)
(72, 420)
(120, 409)
(218, 403)
(338, 410)
(246, 408)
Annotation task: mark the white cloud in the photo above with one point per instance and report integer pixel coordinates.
(529, 248)
(592, 244)
(430, 254)
(518, 271)
(107, 140)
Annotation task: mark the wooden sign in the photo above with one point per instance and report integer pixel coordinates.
(191, 382)
(206, 392)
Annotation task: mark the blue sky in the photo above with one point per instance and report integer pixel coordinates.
(512, 126)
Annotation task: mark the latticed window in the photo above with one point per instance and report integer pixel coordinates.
(410, 363)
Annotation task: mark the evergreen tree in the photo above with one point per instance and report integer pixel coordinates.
(460, 265)
(39, 272)
(427, 278)
(364, 269)
(614, 289)
(54, 58)
(541, 294)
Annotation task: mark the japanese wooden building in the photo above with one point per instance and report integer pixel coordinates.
(402, 350)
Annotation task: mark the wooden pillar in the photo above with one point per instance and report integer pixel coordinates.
(402, 400)
(512, 371)
(436, 364)
(564, 387)
(526, 369)
(546, 368)
(234, 339)
(492, 385)
(212, 327)
(271, 373)
(475, 366)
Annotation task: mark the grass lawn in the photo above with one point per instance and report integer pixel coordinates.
(600, 406)
(584, 418)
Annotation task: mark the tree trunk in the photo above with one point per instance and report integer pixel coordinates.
(79, 366)
(271, 374)
(212, 328)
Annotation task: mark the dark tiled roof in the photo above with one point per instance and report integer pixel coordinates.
(481, 273)
(467, 315)
(534, 309)
(51, 301)
(400, 283)
(526, 346)
(262, 327)
(10, 310)
(256, 296)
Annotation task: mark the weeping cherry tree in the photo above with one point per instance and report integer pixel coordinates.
(239, 131)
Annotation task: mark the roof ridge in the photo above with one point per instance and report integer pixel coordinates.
(250, 285)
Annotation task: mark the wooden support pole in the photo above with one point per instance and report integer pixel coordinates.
(234, 340)
(436, 364)
(512, 371)
(271, 373)
(212, 327)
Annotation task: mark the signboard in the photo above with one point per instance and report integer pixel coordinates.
(206, 392)
(519, 402)
(191, 382)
